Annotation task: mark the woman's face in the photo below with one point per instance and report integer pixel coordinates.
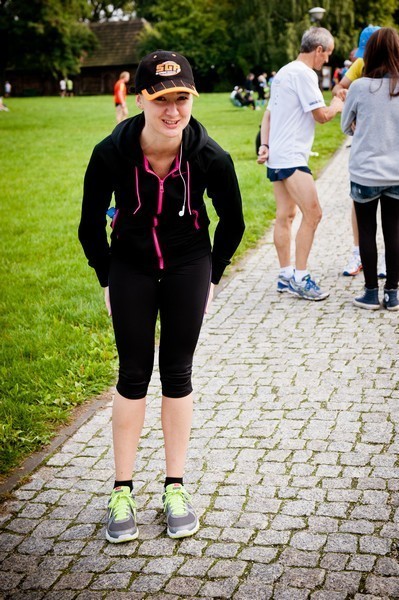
(167, 115)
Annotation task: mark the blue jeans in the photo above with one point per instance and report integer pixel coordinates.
(365, 193)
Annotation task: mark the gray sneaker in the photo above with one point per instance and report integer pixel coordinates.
(180, 516)
(122, 508)
(307, 289)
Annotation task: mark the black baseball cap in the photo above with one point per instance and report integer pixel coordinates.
(162, 72)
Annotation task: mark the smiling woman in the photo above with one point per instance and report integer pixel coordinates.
(165, 119)
(158, 165)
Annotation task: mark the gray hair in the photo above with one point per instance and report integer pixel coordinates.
(314, 37)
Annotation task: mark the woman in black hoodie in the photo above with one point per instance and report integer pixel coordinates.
(158, 166)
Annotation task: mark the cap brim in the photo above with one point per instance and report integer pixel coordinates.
(359, 53)
(155, 92)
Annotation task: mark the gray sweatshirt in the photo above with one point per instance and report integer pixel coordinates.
(374, 157)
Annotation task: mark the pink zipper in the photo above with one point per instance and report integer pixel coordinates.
(156, 244)
(159, 208)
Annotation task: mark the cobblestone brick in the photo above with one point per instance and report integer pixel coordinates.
(266, 573)
(184, 586)
(357, 526)
(298, 508)
(383, 586)
(341, 542)
(10, 580)
(362, 562)
(74, 581)
(299, 558)
(322, 524)
(148, 583)
(345, 582)
(163, 566)
(158, 547)
(375, 545)
(227, 568)
(334, 561)
(219, 589)
(303, 578)
(259, 554)
(110, 581)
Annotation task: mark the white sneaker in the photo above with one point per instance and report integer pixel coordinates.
(353, 267)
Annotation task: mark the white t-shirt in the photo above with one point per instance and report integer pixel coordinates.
(294, 94)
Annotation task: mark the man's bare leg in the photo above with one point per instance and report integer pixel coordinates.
(302, 190)
(285, 213)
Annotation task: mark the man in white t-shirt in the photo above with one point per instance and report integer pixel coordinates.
(287, 133)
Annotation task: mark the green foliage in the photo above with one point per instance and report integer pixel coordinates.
(57, 346)
(197, 26)
(375, 12)
(44, 36)
(225, 39)
(144, 8)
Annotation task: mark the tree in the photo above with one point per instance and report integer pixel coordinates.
(375, 12)
(45, 36)
(144, 9)
(196, 28)
(229, 38)
(104, 10)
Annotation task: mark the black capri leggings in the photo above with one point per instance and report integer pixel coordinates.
(366, 215)
(179, 294)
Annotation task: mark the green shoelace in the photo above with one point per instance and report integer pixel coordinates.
(121, 504)
(176, 500)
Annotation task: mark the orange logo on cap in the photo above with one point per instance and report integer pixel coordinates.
(168, 68)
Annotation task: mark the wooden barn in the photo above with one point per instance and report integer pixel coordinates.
(116, 52)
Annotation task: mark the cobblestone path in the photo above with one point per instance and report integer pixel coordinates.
(293, 463)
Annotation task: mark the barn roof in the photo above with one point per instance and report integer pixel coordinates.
(117, 43)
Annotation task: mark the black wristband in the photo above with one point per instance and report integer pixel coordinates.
(267, 146)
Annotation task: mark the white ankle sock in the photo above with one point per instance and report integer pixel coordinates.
(299, 275)
(287, 271)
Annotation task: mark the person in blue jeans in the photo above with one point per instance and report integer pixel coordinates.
(371, 115)
(158, 166)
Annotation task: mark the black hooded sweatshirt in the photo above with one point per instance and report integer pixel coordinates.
(159, 223)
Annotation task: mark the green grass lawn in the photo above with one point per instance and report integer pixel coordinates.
(57, 343)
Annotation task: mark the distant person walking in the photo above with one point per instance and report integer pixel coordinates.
(7, 89)
(63, 88)
(69, 87)
(120, 93)
(371, 115)
(158, 165)
(287, 133)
